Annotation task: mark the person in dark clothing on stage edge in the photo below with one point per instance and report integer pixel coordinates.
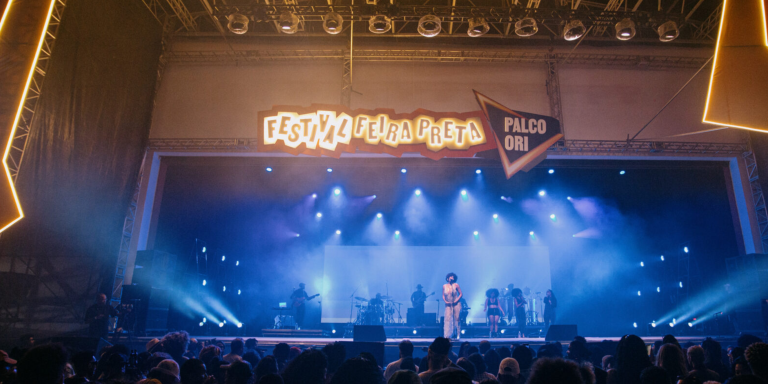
(550, 303)
(97, 316)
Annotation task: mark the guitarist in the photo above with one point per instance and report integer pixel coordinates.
(300, 298)
(417, 301)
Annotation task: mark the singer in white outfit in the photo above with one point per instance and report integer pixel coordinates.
(451, 296)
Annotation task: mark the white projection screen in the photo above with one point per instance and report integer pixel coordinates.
(395, 271)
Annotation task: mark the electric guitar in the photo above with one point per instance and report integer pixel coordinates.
(299, 301)
(419, 302)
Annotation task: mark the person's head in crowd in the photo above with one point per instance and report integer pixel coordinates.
(270, 378)
(745, 379)
(671, 339)
(170, 366)
(208, 353)
(504, 352)
(690, 379)
(740, 367)
(672, 359)
(479, 363)
(295, 352)
(237, 346)
(167, 372)
(310, 367)
(408, 364)
(587, 373)
(577, 351)
(450, 375)
(336, 354)
(609, 362)
(466, 365)
(631, 359)
(696, 357)
(111, 365)
(438, 354)
(175, 344)
(746, 340)
(193, 372)
(26, 341)
(358, 371)
(368, 356)
(463, 349)
(84, 364)
(281, 352)
(656, 346)
(555, 371)
(484, 346)
(509, 366)
(504, 378)
(472, 349)
(266, 366)
(654, 375)
(406, 348)
(404, 377)
(757, 357)
(713, 353)
(156, 358)
(69, 371)
(734, 353)
(492, 361)
(238, 372)
(547, 350)
(251, 344)
(151, 344)
(524, 356)
(251, 357)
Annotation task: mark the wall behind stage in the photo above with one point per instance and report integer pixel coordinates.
(598, 102)
(395, 271)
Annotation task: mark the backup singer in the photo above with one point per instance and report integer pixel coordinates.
(519, 304)
(494, 310)
(451, 296)
(550, 303)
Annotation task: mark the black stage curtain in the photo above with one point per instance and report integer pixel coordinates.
(89, 132)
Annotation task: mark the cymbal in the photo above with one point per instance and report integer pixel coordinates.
(361, 298)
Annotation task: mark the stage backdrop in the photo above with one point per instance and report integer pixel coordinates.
(395, 271)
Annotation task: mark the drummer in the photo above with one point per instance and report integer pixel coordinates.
(376, 301)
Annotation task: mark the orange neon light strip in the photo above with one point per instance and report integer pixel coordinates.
(21, 106)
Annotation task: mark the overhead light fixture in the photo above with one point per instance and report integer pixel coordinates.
(288, 23)
(668, 31)
(574, 30)
(379, 24)
(526, 27)
(238, 24)
(477, 27)
(430, 26)
(625, 29)
(332, 23)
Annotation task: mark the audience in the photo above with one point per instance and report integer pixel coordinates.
(236, 351)
(406, 351)
(43, 364)
(631, 359)
(310, 367)
(360, 371)
(466, 365)
(555, 371)
(336, 354)
(524, 357)
(492, 361)
(480, 368)
(438, 358)
(267, 366)
(656, 375)
(757, 357)
(673, 361)
(404, 377)
(698, 368)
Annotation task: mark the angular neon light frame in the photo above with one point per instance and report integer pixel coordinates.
(21, 105)
(714, 65)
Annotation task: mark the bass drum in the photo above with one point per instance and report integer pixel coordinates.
(374, 315)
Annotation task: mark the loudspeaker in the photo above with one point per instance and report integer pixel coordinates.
(150, 306)
(81, 344)
(355, 348)
(561, 332)
(155, 268)
(369, 333)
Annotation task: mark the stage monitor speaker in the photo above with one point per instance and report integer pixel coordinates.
(150, 307)
(369, 333)
(155, 268)
(353, 349)
(561, 332)
(81, 344)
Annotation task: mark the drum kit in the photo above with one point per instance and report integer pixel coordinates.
(533, 313)
(369, 312)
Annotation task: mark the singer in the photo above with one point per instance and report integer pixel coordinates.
(519, 302)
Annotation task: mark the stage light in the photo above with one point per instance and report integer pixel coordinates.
(333, 331)
(329, 170)
(204, 282)
(658, 289)
(530, 233)
(224, 289)
(668, 31)
(337, 191)
(414, 331)
(223, 257)
(379, 24)
(374, 196)
(622, 172)
(553, 217)
(417, 192)
(397, 233)
(225, 321)
(269, 169)
(288, 22)
(237, 23)
(403, 170)
(542, 192)
(634, 325)
(378, 216)
(237, 263)
(674, 321)
(526, 27)
(476, 233)
(551, 171)
(662, 257)
(332, 23)
(625, 29)
(221, 325)
(503, 331)
(495, 216)
(462, 331)
(319, 215)
(205, 320)
(429, 26)
(239, 291)
(690, 325)
(681, 284)
(477, 27)
(574, 30)
(297, 235)
(239, 325)
(314, 195)
(653, 324)
(478, 171)
(639, 293)
(685, 249)
(203, 249)
(568, 198)
(201, 324)
(671, 325)
(338, 232)
(642, 264)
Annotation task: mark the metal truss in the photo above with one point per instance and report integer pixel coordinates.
(21, 134)
(584, 147)
(186, 18)
(709, 25)
(758, 198)
(434, 55)
(553, 93)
